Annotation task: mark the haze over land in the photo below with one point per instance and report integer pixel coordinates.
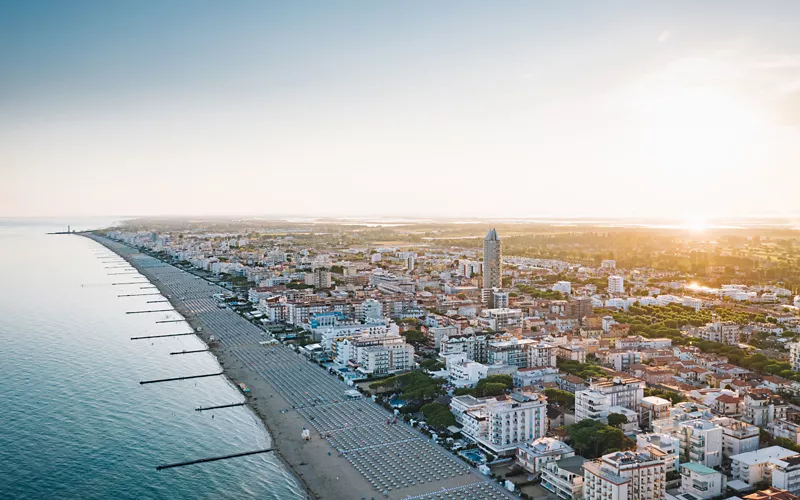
(456, 109)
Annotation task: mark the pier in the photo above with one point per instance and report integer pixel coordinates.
(204, 460)
(137, 294)
(232, 405)
(156, 301)
(170, 321)
(130, 283)
(188, 352)
(173, 379)
(150, 311)
(163, 336)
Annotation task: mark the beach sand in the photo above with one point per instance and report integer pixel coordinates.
(322, 470)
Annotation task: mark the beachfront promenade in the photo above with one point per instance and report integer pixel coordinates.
(389, 460)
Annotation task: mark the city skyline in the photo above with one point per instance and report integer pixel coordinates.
(349, 109)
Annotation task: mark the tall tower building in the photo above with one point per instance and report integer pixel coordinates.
(492, 264)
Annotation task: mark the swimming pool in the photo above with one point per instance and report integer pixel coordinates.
(473, 456)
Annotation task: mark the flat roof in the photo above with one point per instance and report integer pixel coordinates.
(699, 468)
(763, 455)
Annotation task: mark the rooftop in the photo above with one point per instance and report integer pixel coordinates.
(764, 455)
(699, 468)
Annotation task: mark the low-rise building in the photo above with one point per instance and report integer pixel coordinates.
(756, 466)
(653, 408)
(534, 455)
(782, 428)
(701, 481)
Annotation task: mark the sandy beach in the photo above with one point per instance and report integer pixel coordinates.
(318, 467)
(323, 471)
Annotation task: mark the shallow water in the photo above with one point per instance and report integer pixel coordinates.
(76, 422)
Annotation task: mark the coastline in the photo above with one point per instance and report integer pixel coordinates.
(321, 468)
(304, 460)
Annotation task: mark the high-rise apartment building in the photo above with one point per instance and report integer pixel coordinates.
(492, 263)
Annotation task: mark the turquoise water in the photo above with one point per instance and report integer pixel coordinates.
(76, 423)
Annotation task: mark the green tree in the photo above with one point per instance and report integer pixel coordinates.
(438, 415)
(414, 336)
(617, 419)
(492, 389)
(431, 365)
(593, 439)
(562, 397)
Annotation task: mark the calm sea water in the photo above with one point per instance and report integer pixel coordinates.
(76, 423)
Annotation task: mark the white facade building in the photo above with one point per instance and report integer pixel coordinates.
(625, 476)
(500, 425)
(616, 285)
(533, 456)
(701, 481)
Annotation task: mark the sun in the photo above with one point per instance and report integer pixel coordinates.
(696, 224)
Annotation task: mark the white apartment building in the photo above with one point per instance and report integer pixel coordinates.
(318, 278)
(592, 405)
(499, 319)
(564, 287)
(616, 285)
(761, 407)
(737, 437)
(535, 376)
(564, 477)
(377, 354)
(622, 391)
(652, 408)
(756, 466)
(784, 429)
(786, 474)
(625, 476)
(499, 425)
(437, 333)
(701, 442)
(370, 309)
(701, 481)
(472, 346)
(621, 359)
(500, 299)
(329, 335)
(574, 352)
(534, 455)
(466, 373)
(522, 353)
(661, 445)
(608, 264)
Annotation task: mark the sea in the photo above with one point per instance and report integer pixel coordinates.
(74, 420)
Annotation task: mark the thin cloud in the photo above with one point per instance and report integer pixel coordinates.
(664, 36)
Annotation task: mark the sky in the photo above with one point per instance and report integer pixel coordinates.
(463, 108)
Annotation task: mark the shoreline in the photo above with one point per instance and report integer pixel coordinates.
(320, 468)
(226, 361)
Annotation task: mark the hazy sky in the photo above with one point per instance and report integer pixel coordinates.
(488, 109)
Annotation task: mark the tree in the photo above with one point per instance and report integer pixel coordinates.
(414, 336)
(438, 415)
(493, 385)
(617, 419)
(492, 389)
(431, 365)
(593, 439)
(562, 397)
